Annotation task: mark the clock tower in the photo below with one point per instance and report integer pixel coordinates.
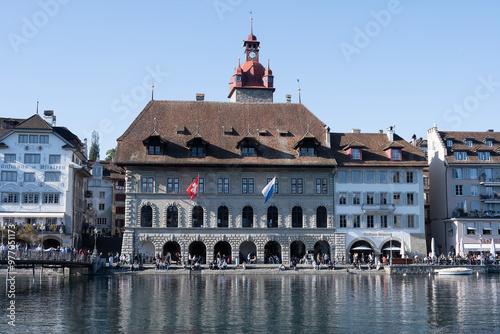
(251, 82)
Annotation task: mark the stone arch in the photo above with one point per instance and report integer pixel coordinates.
(189, 220)
(247, 247)
(229, 213)
(154, 209)
(51, 242)
(322, 247)
(385, 247)
(180, 214)
(273, 248)
(297, 249)
(173, 248)
(239, 217)
(280, 213)
(199, 249)
(147, 249)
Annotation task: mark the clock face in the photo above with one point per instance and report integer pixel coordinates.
(252, 55)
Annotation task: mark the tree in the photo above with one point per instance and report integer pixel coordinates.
(110, 154)
(94, 146)
(27, 235)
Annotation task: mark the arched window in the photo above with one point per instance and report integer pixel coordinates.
(272, 217)
(297, 216)
(172, 216)
(198, 216)
(247, 216)
(321, 217)
(222, 217)
(146, 216)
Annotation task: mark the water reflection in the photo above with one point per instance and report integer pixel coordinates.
(260, 304)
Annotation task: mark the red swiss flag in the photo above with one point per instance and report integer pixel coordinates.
(192, 190)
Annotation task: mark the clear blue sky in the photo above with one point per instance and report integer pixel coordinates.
(363, 65)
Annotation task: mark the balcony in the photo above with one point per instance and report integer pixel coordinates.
(488, 214)
(489, 181)
(378, 208)
(494, 198)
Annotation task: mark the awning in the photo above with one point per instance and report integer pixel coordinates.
(393, 248)
(477, 247)
(32, 214)
(361, 248)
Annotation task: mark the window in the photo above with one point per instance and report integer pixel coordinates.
(489, 174)
(410, 199)
(397, 199)
(426, 181)
(272, 217)
(342, 221)
(56, 159)
(146, 216)
(44, 139)
(248, 151)
(342, 198)
(383, 221)
(10, 198)
(457, 173)
(460, 155)
(342, 177)
(201, 185)
(370, 221)
(321, 186)
(383, 177)
(30, 198)
(50, 198)
(297, 217)
(247, 216)
(356, 198)
(34, 139)
(154, 150)
(474, 190)
(9, 176)
(397, 221)
(356, 221)
(120, 210)
(95, 183)
(147, 184)
(197, 216)
(383, 198)
(29, 177)
(297, 186)
(409, 177)
(487, 228)
(356, 177)
(196, 151)
(411, 221)
(321, 217)
(101, 206)
(369, 177)
(473, 174)
(396, 154)
(96, 171)
(101, 221)
(276, 188)
(222, 216)
(102, 194)
(489, 143)
(307, 152)
(23, 139)
(31, 158)
(120, 197)
(459, 191)
(9, 158)
(172, 185)
(223, 185)
(356, 154)
(395, 177)
(449, 143)
(172, 216)
(369, 198)
(469, 143)
(247, 186)
(483, 156)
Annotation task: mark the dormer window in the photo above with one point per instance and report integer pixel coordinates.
(461, 156)
(248, 151)
(356, 154)
(483, 156)
(154, 150)
(489, 143)
(470, 143)
(394, 151)
(355, 150)
(307, 152)
(196, 152)
(396, 154)
(449, 143)
(197, 146)
(154, 144)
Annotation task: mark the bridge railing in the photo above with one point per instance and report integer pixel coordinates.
(45, 255)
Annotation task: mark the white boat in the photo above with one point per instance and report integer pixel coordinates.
(454, 271)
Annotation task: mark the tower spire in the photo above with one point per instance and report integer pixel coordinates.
(298, 85)
(251, 23)
(37, 105)
(153, 89)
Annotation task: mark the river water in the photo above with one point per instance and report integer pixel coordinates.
(336, 303)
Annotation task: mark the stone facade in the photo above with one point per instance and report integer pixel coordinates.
(252, 95)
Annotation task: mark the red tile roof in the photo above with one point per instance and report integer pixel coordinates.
(478, 144)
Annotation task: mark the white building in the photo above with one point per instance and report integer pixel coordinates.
(42, 178)
(379, 193)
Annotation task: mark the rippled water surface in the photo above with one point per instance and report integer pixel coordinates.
(254, 304)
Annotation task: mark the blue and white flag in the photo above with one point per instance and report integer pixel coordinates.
(268, 190)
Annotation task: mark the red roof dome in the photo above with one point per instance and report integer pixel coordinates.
(253, 71)
(251, 37)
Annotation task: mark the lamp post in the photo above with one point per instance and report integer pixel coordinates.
(95, 241)
(481, 249)
(390, 248)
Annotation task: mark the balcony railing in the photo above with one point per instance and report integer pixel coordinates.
(459, 213)
(378, 208)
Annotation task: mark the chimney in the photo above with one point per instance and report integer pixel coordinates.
(380, 131)
(491, 130)
(390, 133)
(49, 117)
(414, 140)
(288, 98)
(200, 97)
(356, 130)
(327, 137)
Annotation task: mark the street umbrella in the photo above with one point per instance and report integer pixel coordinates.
(402, 250)
(492, 249)
(462, 248)
(361, 248)
(433, 248)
